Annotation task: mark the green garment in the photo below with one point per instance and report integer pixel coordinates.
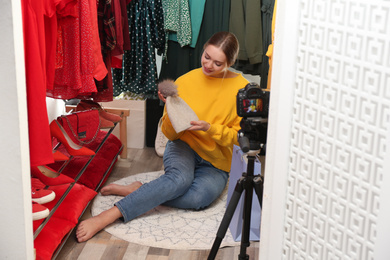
(139, 70)
(177, 20)
(180, 60)
(245, 23)
(267, 9)
(196, 14)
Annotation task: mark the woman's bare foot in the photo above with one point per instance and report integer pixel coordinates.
(89, 227)
(120, 190)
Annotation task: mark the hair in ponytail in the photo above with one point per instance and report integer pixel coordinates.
(228, 43)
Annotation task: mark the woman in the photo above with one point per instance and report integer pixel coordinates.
(196, 161)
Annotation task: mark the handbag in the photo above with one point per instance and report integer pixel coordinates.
(81, 126)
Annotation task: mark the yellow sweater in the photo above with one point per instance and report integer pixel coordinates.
(214, 101)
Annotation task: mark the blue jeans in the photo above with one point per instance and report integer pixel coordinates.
(189, 182)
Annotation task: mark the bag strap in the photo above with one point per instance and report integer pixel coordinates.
(76, 135)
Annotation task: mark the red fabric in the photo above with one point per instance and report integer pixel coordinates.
(76, 75)
(118, 49)
(122, 31)
(67, 8)
(106, 23)
(59, 59)
(51, 236)
(81, 126)
(64, 218)
(105, 88)
(100, 70)
(72, 205)
(51, 28)
(35, 65)
(116, 61)
(99, 164)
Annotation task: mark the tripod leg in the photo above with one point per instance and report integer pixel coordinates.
(226, 219)
(246, 225)
(258, 183)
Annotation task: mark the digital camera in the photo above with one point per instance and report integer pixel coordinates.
(252, 101)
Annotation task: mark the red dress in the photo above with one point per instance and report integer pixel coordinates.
(100, 71)
(35, 64)
(76, 76)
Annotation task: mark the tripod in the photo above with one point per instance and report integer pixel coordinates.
(247, 182)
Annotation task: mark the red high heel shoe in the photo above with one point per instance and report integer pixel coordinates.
(37, 172)
(58, 132)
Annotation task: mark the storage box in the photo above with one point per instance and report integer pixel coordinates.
(135, 122)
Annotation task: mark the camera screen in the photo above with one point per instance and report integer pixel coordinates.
(252, 105)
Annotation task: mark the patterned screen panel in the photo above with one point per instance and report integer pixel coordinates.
(339, 130)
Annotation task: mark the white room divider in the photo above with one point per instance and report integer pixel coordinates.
(16, 228)
(326, 176)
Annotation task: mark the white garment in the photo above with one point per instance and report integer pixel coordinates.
(180, 114)
(160, 141)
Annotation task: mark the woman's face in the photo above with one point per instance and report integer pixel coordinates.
(213, 62)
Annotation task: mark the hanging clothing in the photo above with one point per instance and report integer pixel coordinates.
(139, 72)
(76, 76)
(177, 20)
(33, 13)
(105, 86)
(245, 22)
(125, 27)
(196, 15)
(180, 60)
(267, 7)
(100, 70)
(108, 42)
(67, 7)
(123, 32)
(116, 6)
(271, 46)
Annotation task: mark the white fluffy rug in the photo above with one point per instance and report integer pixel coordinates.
(166, 227)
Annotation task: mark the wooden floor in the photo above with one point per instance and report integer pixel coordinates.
(105, 246)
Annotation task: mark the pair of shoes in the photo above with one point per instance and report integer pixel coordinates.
(42, 196)
(58, 132)
(39, 211)
(38, 172)
(89, 104)
(160, 141)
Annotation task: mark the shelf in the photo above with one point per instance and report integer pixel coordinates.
(81, 164)
(61, 245)
(124, 113)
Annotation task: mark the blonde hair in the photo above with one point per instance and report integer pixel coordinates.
(228, 43)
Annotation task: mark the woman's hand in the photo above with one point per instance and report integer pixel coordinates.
(161, 97)
(199, 125)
